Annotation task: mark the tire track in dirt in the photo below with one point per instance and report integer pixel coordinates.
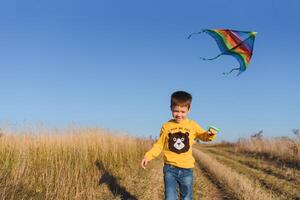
(206, 187)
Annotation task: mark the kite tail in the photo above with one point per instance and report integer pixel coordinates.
(195, 34)
(226, 73)
(203, 57)
(212, 58)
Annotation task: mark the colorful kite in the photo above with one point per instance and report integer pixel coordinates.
(235, 43)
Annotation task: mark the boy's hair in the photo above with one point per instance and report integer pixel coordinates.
(181, 98)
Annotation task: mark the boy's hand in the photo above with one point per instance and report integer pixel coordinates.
(210, 133)
(144, 163)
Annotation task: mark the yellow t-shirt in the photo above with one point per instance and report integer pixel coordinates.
(176, 141)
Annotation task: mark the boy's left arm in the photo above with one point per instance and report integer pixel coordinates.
(204, 135)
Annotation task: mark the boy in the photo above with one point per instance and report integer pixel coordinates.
(176, 140)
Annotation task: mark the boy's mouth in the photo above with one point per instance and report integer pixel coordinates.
(178, 118)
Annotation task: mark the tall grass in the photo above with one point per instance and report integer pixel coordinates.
(63, 164)
(283, 148)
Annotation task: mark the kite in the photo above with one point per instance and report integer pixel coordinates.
(234, 43)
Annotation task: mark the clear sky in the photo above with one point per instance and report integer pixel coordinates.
(114, 64)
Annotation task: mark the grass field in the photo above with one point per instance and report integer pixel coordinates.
(90, 163)
(75, 164)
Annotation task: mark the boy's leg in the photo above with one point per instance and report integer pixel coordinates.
(186, 184)
(170, 181)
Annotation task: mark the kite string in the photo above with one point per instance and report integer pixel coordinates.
(238, 68)
(195, 34)
(211, 58)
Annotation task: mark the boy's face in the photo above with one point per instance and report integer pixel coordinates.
(179, 113)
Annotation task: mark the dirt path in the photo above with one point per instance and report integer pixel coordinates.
(265, 166)
(205, 187)
(283, 188)
(148, 184)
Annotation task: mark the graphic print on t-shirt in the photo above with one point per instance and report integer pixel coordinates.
(179, 142)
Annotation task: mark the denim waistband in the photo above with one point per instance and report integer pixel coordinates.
(172, 166)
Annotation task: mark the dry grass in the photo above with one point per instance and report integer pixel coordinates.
(67, 164)
(283, 149)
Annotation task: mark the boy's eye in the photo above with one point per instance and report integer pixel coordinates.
(174, 139)
(182, 139)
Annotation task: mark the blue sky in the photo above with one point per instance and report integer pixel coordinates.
(114, 64)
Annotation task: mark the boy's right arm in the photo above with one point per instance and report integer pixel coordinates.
(203, 134)
(155, 150)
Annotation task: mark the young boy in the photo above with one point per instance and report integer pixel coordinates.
(176, 140)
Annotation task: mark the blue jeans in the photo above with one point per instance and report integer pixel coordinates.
(174, 176)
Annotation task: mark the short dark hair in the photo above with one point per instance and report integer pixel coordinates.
(181, 98)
